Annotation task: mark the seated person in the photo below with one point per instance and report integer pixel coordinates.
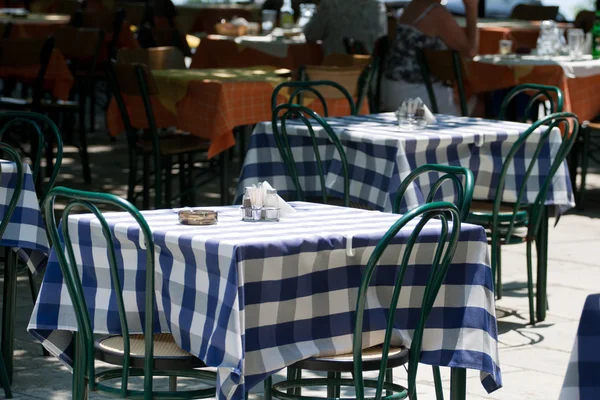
(425, 24)
(361, 20)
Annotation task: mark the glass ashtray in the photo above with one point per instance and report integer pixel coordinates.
(411, 122)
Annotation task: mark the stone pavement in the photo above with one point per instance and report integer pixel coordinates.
(533, 359)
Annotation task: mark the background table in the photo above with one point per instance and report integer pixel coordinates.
(36, 25)
(577, 79)
(240, 295)
(211, 102)
(582, 381)
(217, 51)
(380, 156)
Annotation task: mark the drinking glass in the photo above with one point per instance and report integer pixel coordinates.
(269, 18)
(505, 46)
(307, 11)
(576, 42)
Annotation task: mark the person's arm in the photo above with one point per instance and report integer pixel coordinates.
(466, 43)
(315, 28)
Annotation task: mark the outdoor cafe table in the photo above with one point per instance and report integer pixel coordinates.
(35, 25)
(209, 103)
(217, 51)
(578, 79)
(380, 156)
(253, 298)
(582, 381)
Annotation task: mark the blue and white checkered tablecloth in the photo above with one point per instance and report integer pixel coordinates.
(380, 156)
(253, 298)
(582, 381)
(26, 232)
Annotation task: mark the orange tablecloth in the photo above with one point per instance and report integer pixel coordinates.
(581, 94)
(58, 79)
(489, 38)
(36, 25)
(215, 52)
(210, 103)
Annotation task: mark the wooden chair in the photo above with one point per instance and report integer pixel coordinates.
(136, 80)
(166, 57)
(383, 358)
(521, 222)
(445, 66)
(81, 48)
(146, 355)
(534, 12)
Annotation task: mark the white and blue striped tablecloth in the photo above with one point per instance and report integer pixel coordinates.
(380, 156)
(26, 231)
(253, 298)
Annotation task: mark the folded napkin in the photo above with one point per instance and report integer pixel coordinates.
(259, 193)
(416, 108)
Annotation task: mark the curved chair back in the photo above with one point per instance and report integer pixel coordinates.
(18, 188)
(43, 134)
(540, 94)
(297, 89)
(281, 115)
(441, 259)
(137, 80)
(464, 192)
(68, 264)
(538, 135)
(446, 66)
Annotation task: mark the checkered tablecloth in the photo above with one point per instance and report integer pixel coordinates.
(253, 298)
(26, 232)
(380, 156)
(582, 381)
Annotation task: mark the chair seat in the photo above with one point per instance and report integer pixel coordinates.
(397, 356)
(175, 144)
(167, 354)
(481, 213)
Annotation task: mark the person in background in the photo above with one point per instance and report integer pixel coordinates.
(425, 24)
(361, 20)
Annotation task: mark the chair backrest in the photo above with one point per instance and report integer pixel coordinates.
(441, 257)
(380, 51)
(353, 46)
(535, 137)
(81, 46)
(446, 66)
(463, 192)
(111, 22)
(584, 20)
(42, 132)
(534, 12)
(137, 80)
(72, 278)
(17, 189)
(549, 97)
(296, 90)
(166, 57)
(282, 114)
(23, 53)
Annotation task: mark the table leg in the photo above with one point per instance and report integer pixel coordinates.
(542, 268)
(458, 384)
(8, 310)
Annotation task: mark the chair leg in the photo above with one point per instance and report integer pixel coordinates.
(4, 379)
(530, 294)
(458, 384)
(132, 176)
(268, 385)
(83, 148)
(92, 96)
(542, 270)
(437, 380)
(146, 182)
(34, 293)
(294, 374)
(8, 310)
(585, 163)
(168, 166)
(172, 384)
(389, 378)
(499, 272)
(333, 391)
(183, 199)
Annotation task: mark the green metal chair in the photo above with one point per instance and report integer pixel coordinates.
(518, 222)
(464, 192)
(284, 112)
(385, 357)
(446, 66)
(587, 148)
(136, 354)
(137, 80)
(298, 88)
(44, 137)
(538, 95)
(9, 258)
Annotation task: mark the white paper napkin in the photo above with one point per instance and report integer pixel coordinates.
(415, 107)
(285, 208)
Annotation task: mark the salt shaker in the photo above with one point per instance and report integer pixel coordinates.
(247, 205)
(271, 205)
